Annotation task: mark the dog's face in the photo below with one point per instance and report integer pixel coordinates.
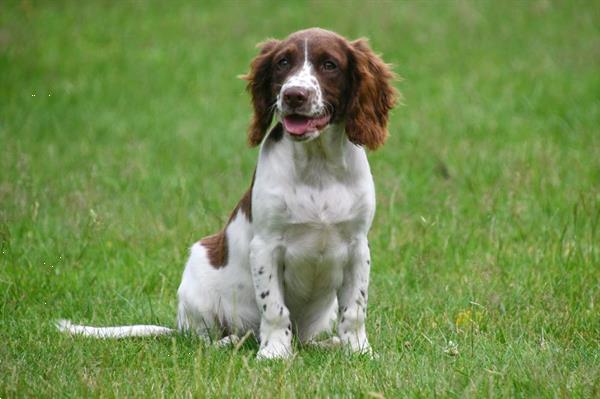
(310, 82)
(315, 78)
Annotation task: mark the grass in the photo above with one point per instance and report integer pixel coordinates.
(119, 119)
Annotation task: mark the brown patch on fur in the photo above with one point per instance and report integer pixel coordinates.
(216, 249)
(372, 98)
(259, 86)
(216, 245)
(245, 205)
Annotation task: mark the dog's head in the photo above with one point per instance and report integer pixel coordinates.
(315, 78)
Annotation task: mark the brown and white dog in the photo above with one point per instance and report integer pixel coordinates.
(294, 255)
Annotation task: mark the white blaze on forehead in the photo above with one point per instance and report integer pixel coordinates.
(305, 51)
(305, 79)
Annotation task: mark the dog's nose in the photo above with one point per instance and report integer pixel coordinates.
(295, 97)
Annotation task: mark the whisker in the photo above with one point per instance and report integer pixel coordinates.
(329, 108)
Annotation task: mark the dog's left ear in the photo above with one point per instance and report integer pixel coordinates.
(259, 86)
(372, 96)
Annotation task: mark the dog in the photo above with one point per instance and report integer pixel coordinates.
(294, 256)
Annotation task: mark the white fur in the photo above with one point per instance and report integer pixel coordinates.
(306, 79)
(302, 262)
(211, 297)
(112, 332)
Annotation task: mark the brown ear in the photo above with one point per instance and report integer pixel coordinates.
(259, 86)
(372, 97)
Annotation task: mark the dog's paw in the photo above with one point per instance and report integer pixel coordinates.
(363, 350)
(274, 350)
(230, 340)
(357, 344)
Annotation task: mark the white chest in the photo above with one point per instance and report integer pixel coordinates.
(317, 222)
(317, 229)
(329, 207)
(312, 208)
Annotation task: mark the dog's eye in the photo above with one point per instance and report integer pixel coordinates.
(329, 66)
(283, 63)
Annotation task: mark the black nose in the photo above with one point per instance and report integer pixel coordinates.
(295, 97)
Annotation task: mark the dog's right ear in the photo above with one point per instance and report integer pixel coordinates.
(259, 86)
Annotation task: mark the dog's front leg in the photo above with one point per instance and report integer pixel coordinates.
(267, 274)
(352, 299)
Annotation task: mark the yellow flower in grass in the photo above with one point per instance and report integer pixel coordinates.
(463, 319)
(468, 320)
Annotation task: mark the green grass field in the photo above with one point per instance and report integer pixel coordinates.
(119, 119)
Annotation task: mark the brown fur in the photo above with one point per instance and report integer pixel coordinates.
(372, 98)
(216, 249)
(259, 85)
(216, 245)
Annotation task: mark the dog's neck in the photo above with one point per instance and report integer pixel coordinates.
(328, 147)
(331, 152)
(318, 162)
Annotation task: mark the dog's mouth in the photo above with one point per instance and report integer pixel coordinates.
(299, 125)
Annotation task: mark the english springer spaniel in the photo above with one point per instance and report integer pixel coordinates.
(294, 255)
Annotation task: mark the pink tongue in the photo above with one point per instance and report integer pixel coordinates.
(299, 124)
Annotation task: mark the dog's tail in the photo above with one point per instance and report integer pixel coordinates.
(113, 332)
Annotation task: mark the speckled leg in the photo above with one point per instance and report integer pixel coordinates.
(275, 325)
(352, 298)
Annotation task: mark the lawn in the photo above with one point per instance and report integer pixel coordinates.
(122, 141)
